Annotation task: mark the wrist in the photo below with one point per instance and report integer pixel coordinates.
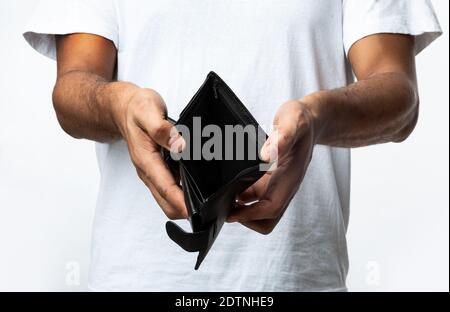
(317, 110)
(128, 103)
(117, 96)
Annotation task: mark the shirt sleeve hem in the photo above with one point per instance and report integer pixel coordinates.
(42, 38)
(424, 35)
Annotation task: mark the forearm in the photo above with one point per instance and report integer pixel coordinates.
(382, 108)
(86, 105)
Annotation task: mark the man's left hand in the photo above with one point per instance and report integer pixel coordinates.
(290, 146)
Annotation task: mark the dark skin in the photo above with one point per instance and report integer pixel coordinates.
(381, 107)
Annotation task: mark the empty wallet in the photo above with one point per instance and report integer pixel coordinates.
(210, 186)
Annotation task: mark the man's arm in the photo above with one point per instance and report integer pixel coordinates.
(84, 95)
(381, 107)
(89, 104)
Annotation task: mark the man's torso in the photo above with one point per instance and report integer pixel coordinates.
(269, 52)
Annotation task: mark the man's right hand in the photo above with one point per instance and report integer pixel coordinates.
(89, 104)
(141, 118)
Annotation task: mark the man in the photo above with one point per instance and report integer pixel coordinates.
(123, 66)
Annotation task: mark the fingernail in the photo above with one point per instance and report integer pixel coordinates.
(273, 153)
(269, 151)
(229, 220)
(265, 151)
(173, 138)
(177, 144)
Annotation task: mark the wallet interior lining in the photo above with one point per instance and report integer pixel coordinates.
(212, 107)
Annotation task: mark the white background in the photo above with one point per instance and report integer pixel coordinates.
(399, 224)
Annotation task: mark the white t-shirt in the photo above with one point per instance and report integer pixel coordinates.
(268, 51)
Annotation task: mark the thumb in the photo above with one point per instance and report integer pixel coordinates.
(164, 133)
(278, 144)
(176, 141)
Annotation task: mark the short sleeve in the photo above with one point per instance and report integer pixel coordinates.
(362, 18)
(50, 18)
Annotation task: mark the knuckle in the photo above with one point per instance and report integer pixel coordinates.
(140, 104)
(138, 162)
(140, 174)
(172, 214)
(144, 100)
(284, 136)
(164, 192)
(274, 212)
(265, 230)
(160, 130)
(144, 176)
(128, 122)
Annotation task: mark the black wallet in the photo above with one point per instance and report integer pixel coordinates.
(210, 187)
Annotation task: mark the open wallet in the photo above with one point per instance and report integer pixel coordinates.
(210, 186)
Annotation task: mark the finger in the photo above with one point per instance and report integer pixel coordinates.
(163, 132)
(260, 210)
(249, 195)
(172, 211)
(294, 156)
(165, 184)
(291, 169)
(154, 172)
(278, 144)
(255, 191)
(282, 186)
(264, 227)
(166, 207)
(290, 123)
